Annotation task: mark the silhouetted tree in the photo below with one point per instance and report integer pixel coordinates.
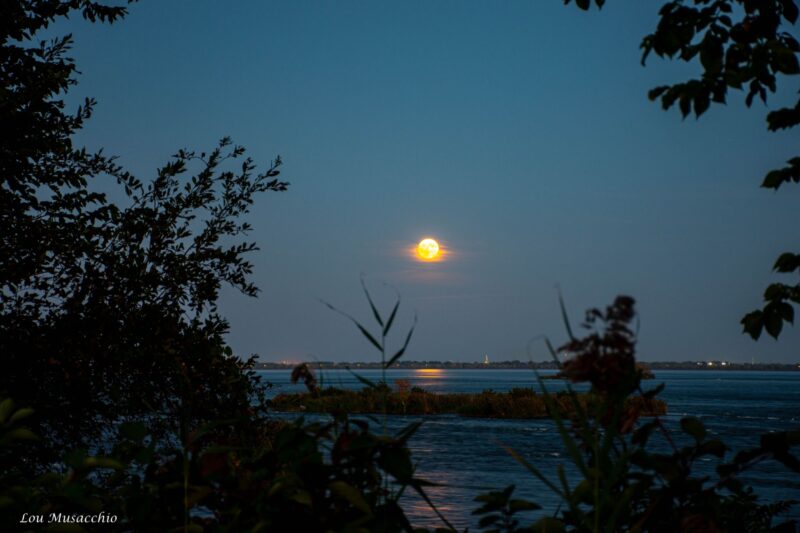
(108, 310)
(744, 45)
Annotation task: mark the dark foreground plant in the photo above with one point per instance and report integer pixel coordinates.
(380, 390)
(384, 326)
(240, 474)
(108, 309)
(328, 476)
(641, 476)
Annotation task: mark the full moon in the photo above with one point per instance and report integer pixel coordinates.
(428, 249)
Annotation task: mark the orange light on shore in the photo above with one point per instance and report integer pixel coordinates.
(429, 372)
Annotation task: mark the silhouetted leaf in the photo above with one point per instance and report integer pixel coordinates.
(784, 118)
(375, 313)
(773, 323)
(369, 336)
(654, 93)
(417, 486)
(652, 393)
(397, 462)
(642, 434)
(564, 317)
(773, 179)
(389, 322)
(408, 431)
(402, 350)
(522, 505)
(753, 323)
(694, 427)
(785, 311)
(493, 501)
(351, 494)
(787, 262)
(789, 10)
(711, 53)
(20, 414)
(713, 447)
(701, 103)
(6, 408)
(685, 104)
(487, 521)
(303, 497)
(786, 61)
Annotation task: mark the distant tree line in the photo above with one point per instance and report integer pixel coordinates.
(526, 365)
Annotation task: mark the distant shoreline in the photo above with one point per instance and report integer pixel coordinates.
(520, 365)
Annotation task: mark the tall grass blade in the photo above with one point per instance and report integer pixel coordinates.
(369, 336)
(402, 350)
(418, 487)
(407, 432)
(388, 325)
(533, 470)
(579, 411)
(361, 328)
(562, 477)
(564, 316)
(552, 351)
(368, 382)
(569, 442)
(375, 312)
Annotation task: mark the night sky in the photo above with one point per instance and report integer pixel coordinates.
(519, 134)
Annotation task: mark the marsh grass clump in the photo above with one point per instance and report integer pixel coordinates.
(522, 392)
(519, 403)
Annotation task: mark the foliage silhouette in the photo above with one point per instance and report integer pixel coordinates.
(744, 45)
(328, 476)
(626, 482)
(381, 389)
(332, 475)
(108, 310)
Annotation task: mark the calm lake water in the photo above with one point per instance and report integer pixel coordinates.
(467, 456)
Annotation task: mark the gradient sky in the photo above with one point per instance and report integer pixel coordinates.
(518, 133)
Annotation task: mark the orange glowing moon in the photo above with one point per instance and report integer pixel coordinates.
(428, 249)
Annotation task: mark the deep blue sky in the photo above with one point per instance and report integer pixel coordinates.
(518, 133)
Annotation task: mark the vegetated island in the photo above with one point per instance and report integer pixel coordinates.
(529, 365)
(521, 402)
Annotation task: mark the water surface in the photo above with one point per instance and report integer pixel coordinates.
(468, 455)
